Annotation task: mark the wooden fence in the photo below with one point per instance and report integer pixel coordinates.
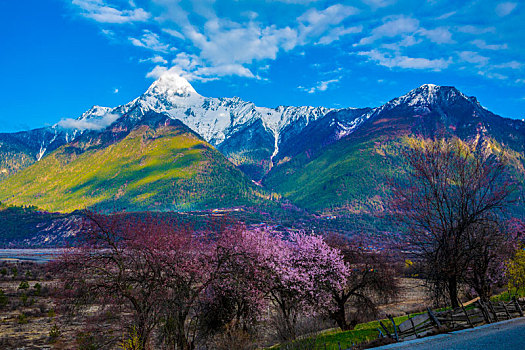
(466, 316)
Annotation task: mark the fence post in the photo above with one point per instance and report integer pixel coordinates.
(434, 319)
(506, 310)
(413, 326)
(518, 307)
(395, 328)
(386, 329)
(381, 335)
(493, 311)
(484, 311)
(466, 314)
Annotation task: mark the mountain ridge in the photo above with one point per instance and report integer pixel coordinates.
(324, 160)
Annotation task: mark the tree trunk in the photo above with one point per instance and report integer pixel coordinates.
(453, 291)
(182, 339)
(339, 316)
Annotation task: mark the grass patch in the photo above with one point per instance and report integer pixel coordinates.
(507, 296)
(362, 333)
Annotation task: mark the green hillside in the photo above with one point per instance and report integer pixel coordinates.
(352, 175)
(348, 176)
(13, 157)
(152, 168)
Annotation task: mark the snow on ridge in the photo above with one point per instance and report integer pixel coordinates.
(215, 119)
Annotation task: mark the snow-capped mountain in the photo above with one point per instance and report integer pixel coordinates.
(248, 135)
(320, 159)
(431, 109)
(215, 119)
(257, 138)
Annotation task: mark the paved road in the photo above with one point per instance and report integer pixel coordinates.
(506, 335)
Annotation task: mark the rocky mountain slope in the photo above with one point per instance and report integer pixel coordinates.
(156, 164)
(173, 149)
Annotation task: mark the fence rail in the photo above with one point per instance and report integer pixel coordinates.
(470, 315)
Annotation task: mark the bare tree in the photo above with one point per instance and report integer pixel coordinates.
(371, 281)
(451, 189)
(490, 244)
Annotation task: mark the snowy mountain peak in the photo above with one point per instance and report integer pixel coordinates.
(95, 111)
(171, 83)
(428, 94)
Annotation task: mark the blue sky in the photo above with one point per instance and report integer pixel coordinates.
(60, 57)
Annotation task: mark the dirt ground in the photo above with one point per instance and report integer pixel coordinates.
(27, 312)
(411, 298)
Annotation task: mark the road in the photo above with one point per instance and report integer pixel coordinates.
(505, 335)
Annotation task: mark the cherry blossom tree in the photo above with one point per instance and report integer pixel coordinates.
(186, 285)
(304, 272)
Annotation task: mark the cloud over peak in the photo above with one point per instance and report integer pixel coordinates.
(94, 123)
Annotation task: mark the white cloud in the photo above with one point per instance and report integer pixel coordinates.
(505, 8)
(336, 33)
(301, 2)
(108, 33)
(155, 59)
(212, 44)
(223, 70)
(321, 86)
(446, 15)
(150, 41)
(407, 41)
(483, 45)
(392, 26)
(470, 29)
(440, 35)
(173, 33)
(193, 68)
(186, 61)
(400, 61)
(379, 3)
(493, 75)
(509, 65)
(226, 43)
(100, 12)
(156, 72)
(94, 123)
(315, 23)
(474, 58)
(115, 91)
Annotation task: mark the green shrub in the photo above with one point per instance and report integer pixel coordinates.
(54, 333)
(23, 285)
(23, 299)
(38, 288)
(22, 319)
